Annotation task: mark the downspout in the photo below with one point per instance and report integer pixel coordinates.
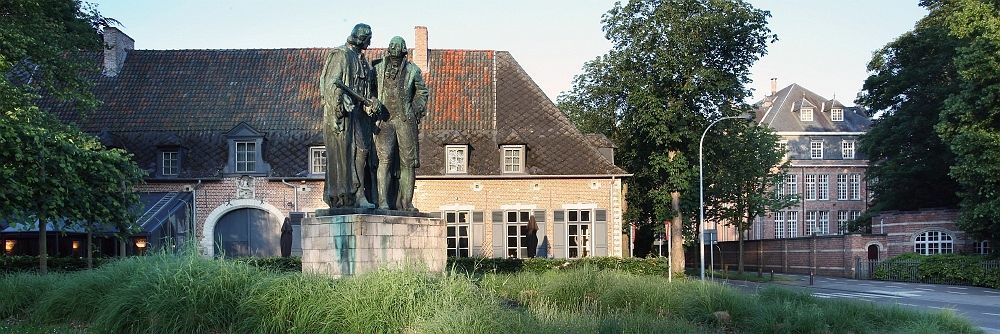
(295, 192)
(194, 212)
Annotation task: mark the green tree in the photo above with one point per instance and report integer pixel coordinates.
(674, 66)
(970, 121)
(742, 171)
(909, 80)
(52, 172)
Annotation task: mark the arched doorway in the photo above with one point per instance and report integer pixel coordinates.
(873, 252)
(247, 232)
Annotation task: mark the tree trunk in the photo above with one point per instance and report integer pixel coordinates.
(676, 234)
(43, 261)
(90, 250)
(739, 236)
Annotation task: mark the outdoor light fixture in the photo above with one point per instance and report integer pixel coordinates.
(141, 243)
(9, 245)
(701, 190)
(76, 245)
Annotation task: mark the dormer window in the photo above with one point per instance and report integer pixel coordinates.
(513, 158)
(806, 114)
(458, 158)
(245, 147)
(317, 160)
(837, 115)
(170, 163)
(847, 149)
(246, 157)
(816, 149)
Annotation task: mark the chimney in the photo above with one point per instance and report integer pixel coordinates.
(116, 47)
(774, 86)
(419, 56)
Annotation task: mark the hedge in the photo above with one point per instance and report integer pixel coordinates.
(942, 268)
(636, 266)
(21, 263)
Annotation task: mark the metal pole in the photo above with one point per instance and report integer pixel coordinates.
(670, 262)
(701, 190)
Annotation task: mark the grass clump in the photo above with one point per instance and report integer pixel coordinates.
(190, 294)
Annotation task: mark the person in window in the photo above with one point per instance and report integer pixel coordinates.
(532, 237)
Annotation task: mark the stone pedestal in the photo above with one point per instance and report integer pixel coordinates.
(351, 244)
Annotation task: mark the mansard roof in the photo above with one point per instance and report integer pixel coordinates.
(780, 111)
(193, 98)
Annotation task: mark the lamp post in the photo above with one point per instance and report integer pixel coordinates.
(701, 189)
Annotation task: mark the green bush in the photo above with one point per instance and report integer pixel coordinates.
(23, 263)
(940, 268)
(635, 266)
(275, 263)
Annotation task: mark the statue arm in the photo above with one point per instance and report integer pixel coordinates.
(420, 94)
(333, 72)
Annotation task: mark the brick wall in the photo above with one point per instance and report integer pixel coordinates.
(902, 227)
(829, 255)
(432, 195)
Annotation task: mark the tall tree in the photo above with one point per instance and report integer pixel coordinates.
(909, 80)
(674, 66)
(52, 172)
(970, 121)
(742, 170)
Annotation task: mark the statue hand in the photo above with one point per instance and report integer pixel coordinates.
(375, 107)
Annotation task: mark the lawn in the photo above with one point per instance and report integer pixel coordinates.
(189, 294)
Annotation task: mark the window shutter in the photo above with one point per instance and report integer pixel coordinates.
(601, 232)
(499, 234)
(476, 249)
(559, 234)
(543, 243)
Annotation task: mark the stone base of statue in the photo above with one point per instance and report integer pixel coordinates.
(351, 242)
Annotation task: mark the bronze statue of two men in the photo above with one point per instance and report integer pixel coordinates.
(368, 106)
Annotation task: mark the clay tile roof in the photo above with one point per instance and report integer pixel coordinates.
(191, 98)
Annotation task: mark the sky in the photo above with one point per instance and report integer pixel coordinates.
(823, 45)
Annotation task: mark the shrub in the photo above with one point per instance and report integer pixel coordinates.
(25, 263)
(635, 266)
(275, 263)
(940, 268)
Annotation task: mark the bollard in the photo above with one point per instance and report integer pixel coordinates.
(811, 275)
(772, 274)
(760, 272)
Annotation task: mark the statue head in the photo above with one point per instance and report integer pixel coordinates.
(361, 36)
(397, 47)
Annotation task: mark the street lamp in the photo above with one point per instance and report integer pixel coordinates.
(701, 190)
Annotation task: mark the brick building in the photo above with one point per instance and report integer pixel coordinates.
(238, 133)
(827, 172)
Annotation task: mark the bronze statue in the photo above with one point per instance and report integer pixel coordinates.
(345, 88)
(402, 92)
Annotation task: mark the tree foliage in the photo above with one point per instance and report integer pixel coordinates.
(674, 66)
(970, 121)
(52, 172)
(742, 171)
(938, 141)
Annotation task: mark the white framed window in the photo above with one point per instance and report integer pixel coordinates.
(823, 187)
(806, 114)
(933, 242)
(842, 187)
(837, 115)
(779, 225)
(458, 158)
(823, 224)
(855, 214)
(246, 157)
(842, 220)
(317, 160)
(791, 184)
(579, 233)
(847, 149)
(792, 219)
(783, 147)
(855, 186)
(811, 222)
(513, 158)
(758, 228)
(816, 149)
(459, 229)
(811, 186)
(982, 247)
(517, 233)
(170, 160)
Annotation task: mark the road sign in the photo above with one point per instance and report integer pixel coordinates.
(711, 236)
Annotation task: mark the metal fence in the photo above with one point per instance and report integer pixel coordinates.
(902, 270)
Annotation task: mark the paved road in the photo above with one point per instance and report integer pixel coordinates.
(980, 305)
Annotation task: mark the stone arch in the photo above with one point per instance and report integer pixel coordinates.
(882, 251)
(207, 233)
